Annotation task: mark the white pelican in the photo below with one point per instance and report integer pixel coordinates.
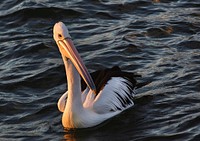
(113, 93)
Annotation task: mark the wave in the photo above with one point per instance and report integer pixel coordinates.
(51, 12)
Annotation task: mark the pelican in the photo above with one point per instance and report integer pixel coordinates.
(91, 98)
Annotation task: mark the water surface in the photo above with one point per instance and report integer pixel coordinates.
(158, 39)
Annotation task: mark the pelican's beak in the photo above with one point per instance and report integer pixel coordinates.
(70, 52)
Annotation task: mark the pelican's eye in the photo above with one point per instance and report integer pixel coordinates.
(59, 36)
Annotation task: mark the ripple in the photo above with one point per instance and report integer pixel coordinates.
(159, 32)
(190, 44)
(157, 39)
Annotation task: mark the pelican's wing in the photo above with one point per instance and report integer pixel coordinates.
(62, 102)
(117, 95)
(101, 77)
(115, 90)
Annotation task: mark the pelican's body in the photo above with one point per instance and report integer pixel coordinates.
(82, 109)
(89, 104)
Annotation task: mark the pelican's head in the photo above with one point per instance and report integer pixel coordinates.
(68, 50)
(62, 38)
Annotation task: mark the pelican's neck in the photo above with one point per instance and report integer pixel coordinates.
(73, 82)
(74, 104)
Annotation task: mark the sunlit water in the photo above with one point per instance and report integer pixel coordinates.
(158, 39)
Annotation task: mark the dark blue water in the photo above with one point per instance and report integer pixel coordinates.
(159, 39)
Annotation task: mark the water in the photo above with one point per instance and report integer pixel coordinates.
(159, 39)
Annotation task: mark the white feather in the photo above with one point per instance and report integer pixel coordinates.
(107, 100)
(62, 102)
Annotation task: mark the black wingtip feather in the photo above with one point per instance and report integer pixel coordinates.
(101, 77)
